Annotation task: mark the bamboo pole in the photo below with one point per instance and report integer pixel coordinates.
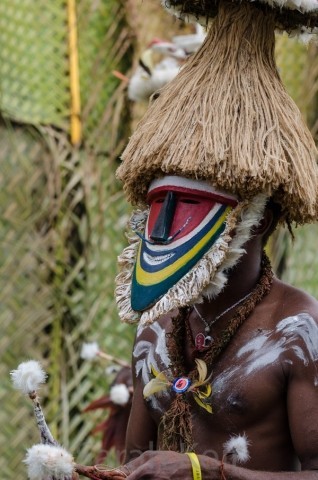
(75, 116)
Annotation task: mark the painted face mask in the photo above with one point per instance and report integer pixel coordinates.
(186, 218)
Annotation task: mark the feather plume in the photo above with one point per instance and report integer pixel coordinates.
(28, 376)
(119, 394)
(158, 384)
(89, 351)
(46, 462)
(236, 449)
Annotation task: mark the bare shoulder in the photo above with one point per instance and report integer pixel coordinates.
(292, 301)
(294, 322)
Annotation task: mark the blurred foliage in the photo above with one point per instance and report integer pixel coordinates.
(63, 216)
(34, 61)
(295, 261)
(301, 263)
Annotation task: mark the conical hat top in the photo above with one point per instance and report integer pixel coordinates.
(227, 118)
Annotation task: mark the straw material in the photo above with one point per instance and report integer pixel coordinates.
(290, 15)
(227, 118)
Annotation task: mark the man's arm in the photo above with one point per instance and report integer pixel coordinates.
(177, 466)
(142, 430)
(302, 396)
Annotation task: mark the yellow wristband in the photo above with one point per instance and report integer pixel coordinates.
(196, 468)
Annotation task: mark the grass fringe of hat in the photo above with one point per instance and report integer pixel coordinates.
(291, 19)
(227, 118)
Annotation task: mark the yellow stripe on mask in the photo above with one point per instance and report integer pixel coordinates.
(152, 278)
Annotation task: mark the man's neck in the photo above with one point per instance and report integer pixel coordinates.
(241, 281)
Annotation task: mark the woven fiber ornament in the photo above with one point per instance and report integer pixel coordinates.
(227, 118)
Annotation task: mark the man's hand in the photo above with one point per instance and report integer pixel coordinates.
(166, 465)
(169, 466)
(159, 466)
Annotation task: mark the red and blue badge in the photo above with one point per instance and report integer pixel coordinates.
(181, 384)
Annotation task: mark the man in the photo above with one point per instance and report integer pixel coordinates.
(225, 358)
(264, 385)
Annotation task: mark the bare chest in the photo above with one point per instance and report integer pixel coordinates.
(248, 380)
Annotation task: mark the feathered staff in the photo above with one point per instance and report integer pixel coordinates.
(91, 350)
(48, 460)
(27, 378)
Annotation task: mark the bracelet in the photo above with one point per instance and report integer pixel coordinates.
(196, 468)
(222, 474)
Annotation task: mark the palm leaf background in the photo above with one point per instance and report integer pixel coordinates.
(296, 261)
(62, 212)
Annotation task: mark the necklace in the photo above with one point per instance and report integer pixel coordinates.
(176, 423)
(203, 341)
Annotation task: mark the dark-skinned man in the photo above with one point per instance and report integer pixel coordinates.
(225, 356)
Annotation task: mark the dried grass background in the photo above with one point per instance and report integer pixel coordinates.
(62, 213)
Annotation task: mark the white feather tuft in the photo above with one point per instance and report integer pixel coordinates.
(28, 376)
(119, 394)
(45, 462)
(236, 448)
(89, 350)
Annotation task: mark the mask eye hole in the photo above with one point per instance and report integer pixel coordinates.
(190, 201)
(160, 200)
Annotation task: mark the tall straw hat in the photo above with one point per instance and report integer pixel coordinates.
(226, 117)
